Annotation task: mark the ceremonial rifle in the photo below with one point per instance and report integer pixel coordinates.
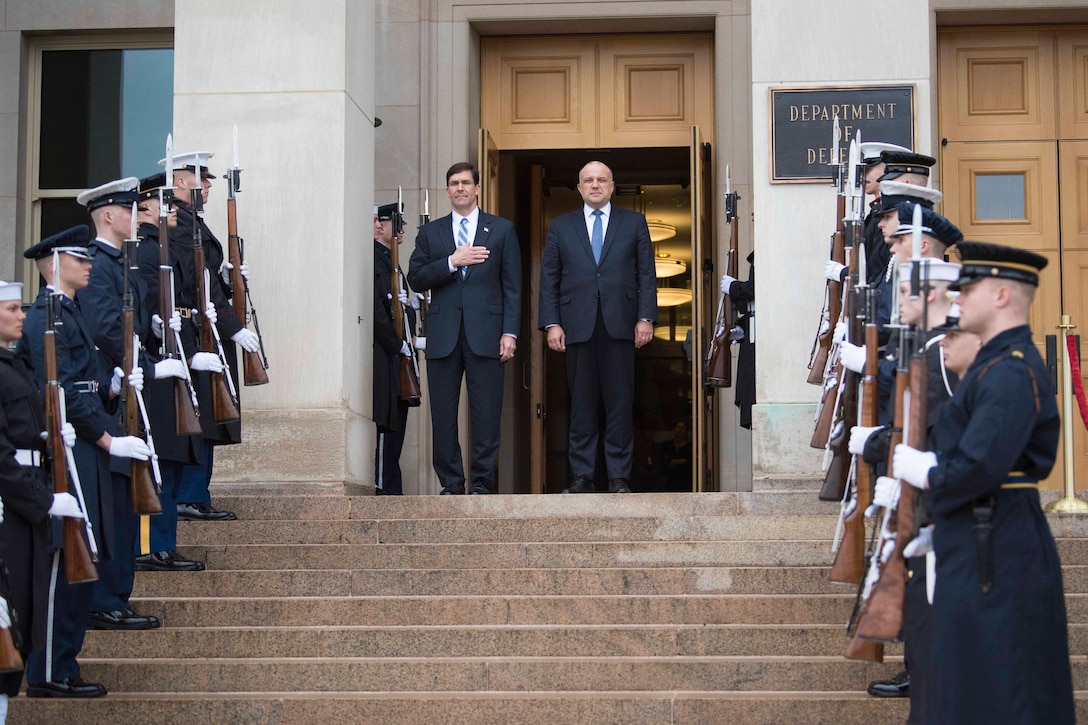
(719, 358)
(254, 364)
(186, 408)
(425, 218)
(78, 540)
(832, 309)
(10, 659)
(145, 490)
(224, 397)
(409, 370)
(882, 616)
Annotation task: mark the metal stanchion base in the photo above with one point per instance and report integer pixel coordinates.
(1067, 505)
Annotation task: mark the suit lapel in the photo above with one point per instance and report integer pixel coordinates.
(482, 238)
(578, 219)
(614, 222)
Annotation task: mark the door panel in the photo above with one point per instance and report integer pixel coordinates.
(997, 86)
(700, 210)
(487, 161)
(1073, 158)
(538, 442)
(1073, 84)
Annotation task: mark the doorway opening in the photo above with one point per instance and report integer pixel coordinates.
(536, 187)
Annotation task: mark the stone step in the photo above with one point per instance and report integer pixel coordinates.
(287, 502)
(490, 673)
(513, 555)
(482, 641)
(478, 582)
(503, 610)
(655, 707)
(481, 530)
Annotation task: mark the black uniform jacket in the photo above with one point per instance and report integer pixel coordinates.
(387, 344)
(27, 495)
(743, 295)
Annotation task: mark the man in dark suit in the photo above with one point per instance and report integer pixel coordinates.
(471, 263)
(598, 302)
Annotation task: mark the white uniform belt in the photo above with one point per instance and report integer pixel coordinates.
(27, 457)
(85, 386)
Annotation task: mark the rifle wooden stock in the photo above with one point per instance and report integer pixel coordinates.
(849, 565)
(719, 368)
(409, 378)
(834, 297)
(10, 659)
(883, 618)
(865, 650)
(254, 371)
(224, 409)
(78, 565)
(821, 434)
(186, 418)
(145, 499)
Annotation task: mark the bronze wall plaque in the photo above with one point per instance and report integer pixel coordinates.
(802, 120)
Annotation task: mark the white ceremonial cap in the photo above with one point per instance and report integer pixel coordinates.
(933, 269)
(122, 191)
(10, 291)
(190, 160)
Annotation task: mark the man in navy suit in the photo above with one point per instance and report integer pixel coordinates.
(471, 263)
(598, 303)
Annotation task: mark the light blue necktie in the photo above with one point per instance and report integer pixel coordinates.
(462, 240)
(597, 239)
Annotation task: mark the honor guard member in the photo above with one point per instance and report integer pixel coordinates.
(998, 605)
(26, 493)
(390, 412)
(743, 295)
(62, 260)
(191, 172)
(931, 312)
(156, 545)
(101, 301)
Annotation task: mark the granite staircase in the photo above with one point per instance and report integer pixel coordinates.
(323, 607)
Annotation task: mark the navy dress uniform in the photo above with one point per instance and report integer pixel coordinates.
(194, 499)
(101, 303)
(52, 671)
(998, 608)
(27, 495)
(743, 295)
(156, 544)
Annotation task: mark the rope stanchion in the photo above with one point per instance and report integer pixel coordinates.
(1069, 503)
(1078, 383)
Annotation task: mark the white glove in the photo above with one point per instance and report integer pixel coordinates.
(888, 549)
(736, 334)
(65, 504)
(886, 492)
(833, 270)
(169, 368)
(840, 332)
(136, 378)
(5, 617)
(403, 296)
(405, 349)
(921, 544)
(206, 361)
(156, 325)
(68, 435)
(175, 321)
(210, 314)
(852, 357)
(115, 381)
(416, 299)
(726, 282)
(247, 339)
(421, 343)
(226, 268)
(129, 447)
(859, 434)
(913, 465)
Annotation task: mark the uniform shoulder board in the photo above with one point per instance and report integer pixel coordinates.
(1017, 354)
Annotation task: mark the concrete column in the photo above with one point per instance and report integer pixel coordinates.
(795, 47)
(298, 80)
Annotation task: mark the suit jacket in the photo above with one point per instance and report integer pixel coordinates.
(572, 284)
(487, 300)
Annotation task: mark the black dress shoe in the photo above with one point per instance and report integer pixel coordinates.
(167, 561)
(200, 512)
(479, 488)
(582, 484)
(71, 687)
(452, 491)
(121, 619)
(898, 686)
(129, 612)
(618, 485)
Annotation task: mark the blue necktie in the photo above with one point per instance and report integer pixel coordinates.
(597, 239)
(462, 240)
